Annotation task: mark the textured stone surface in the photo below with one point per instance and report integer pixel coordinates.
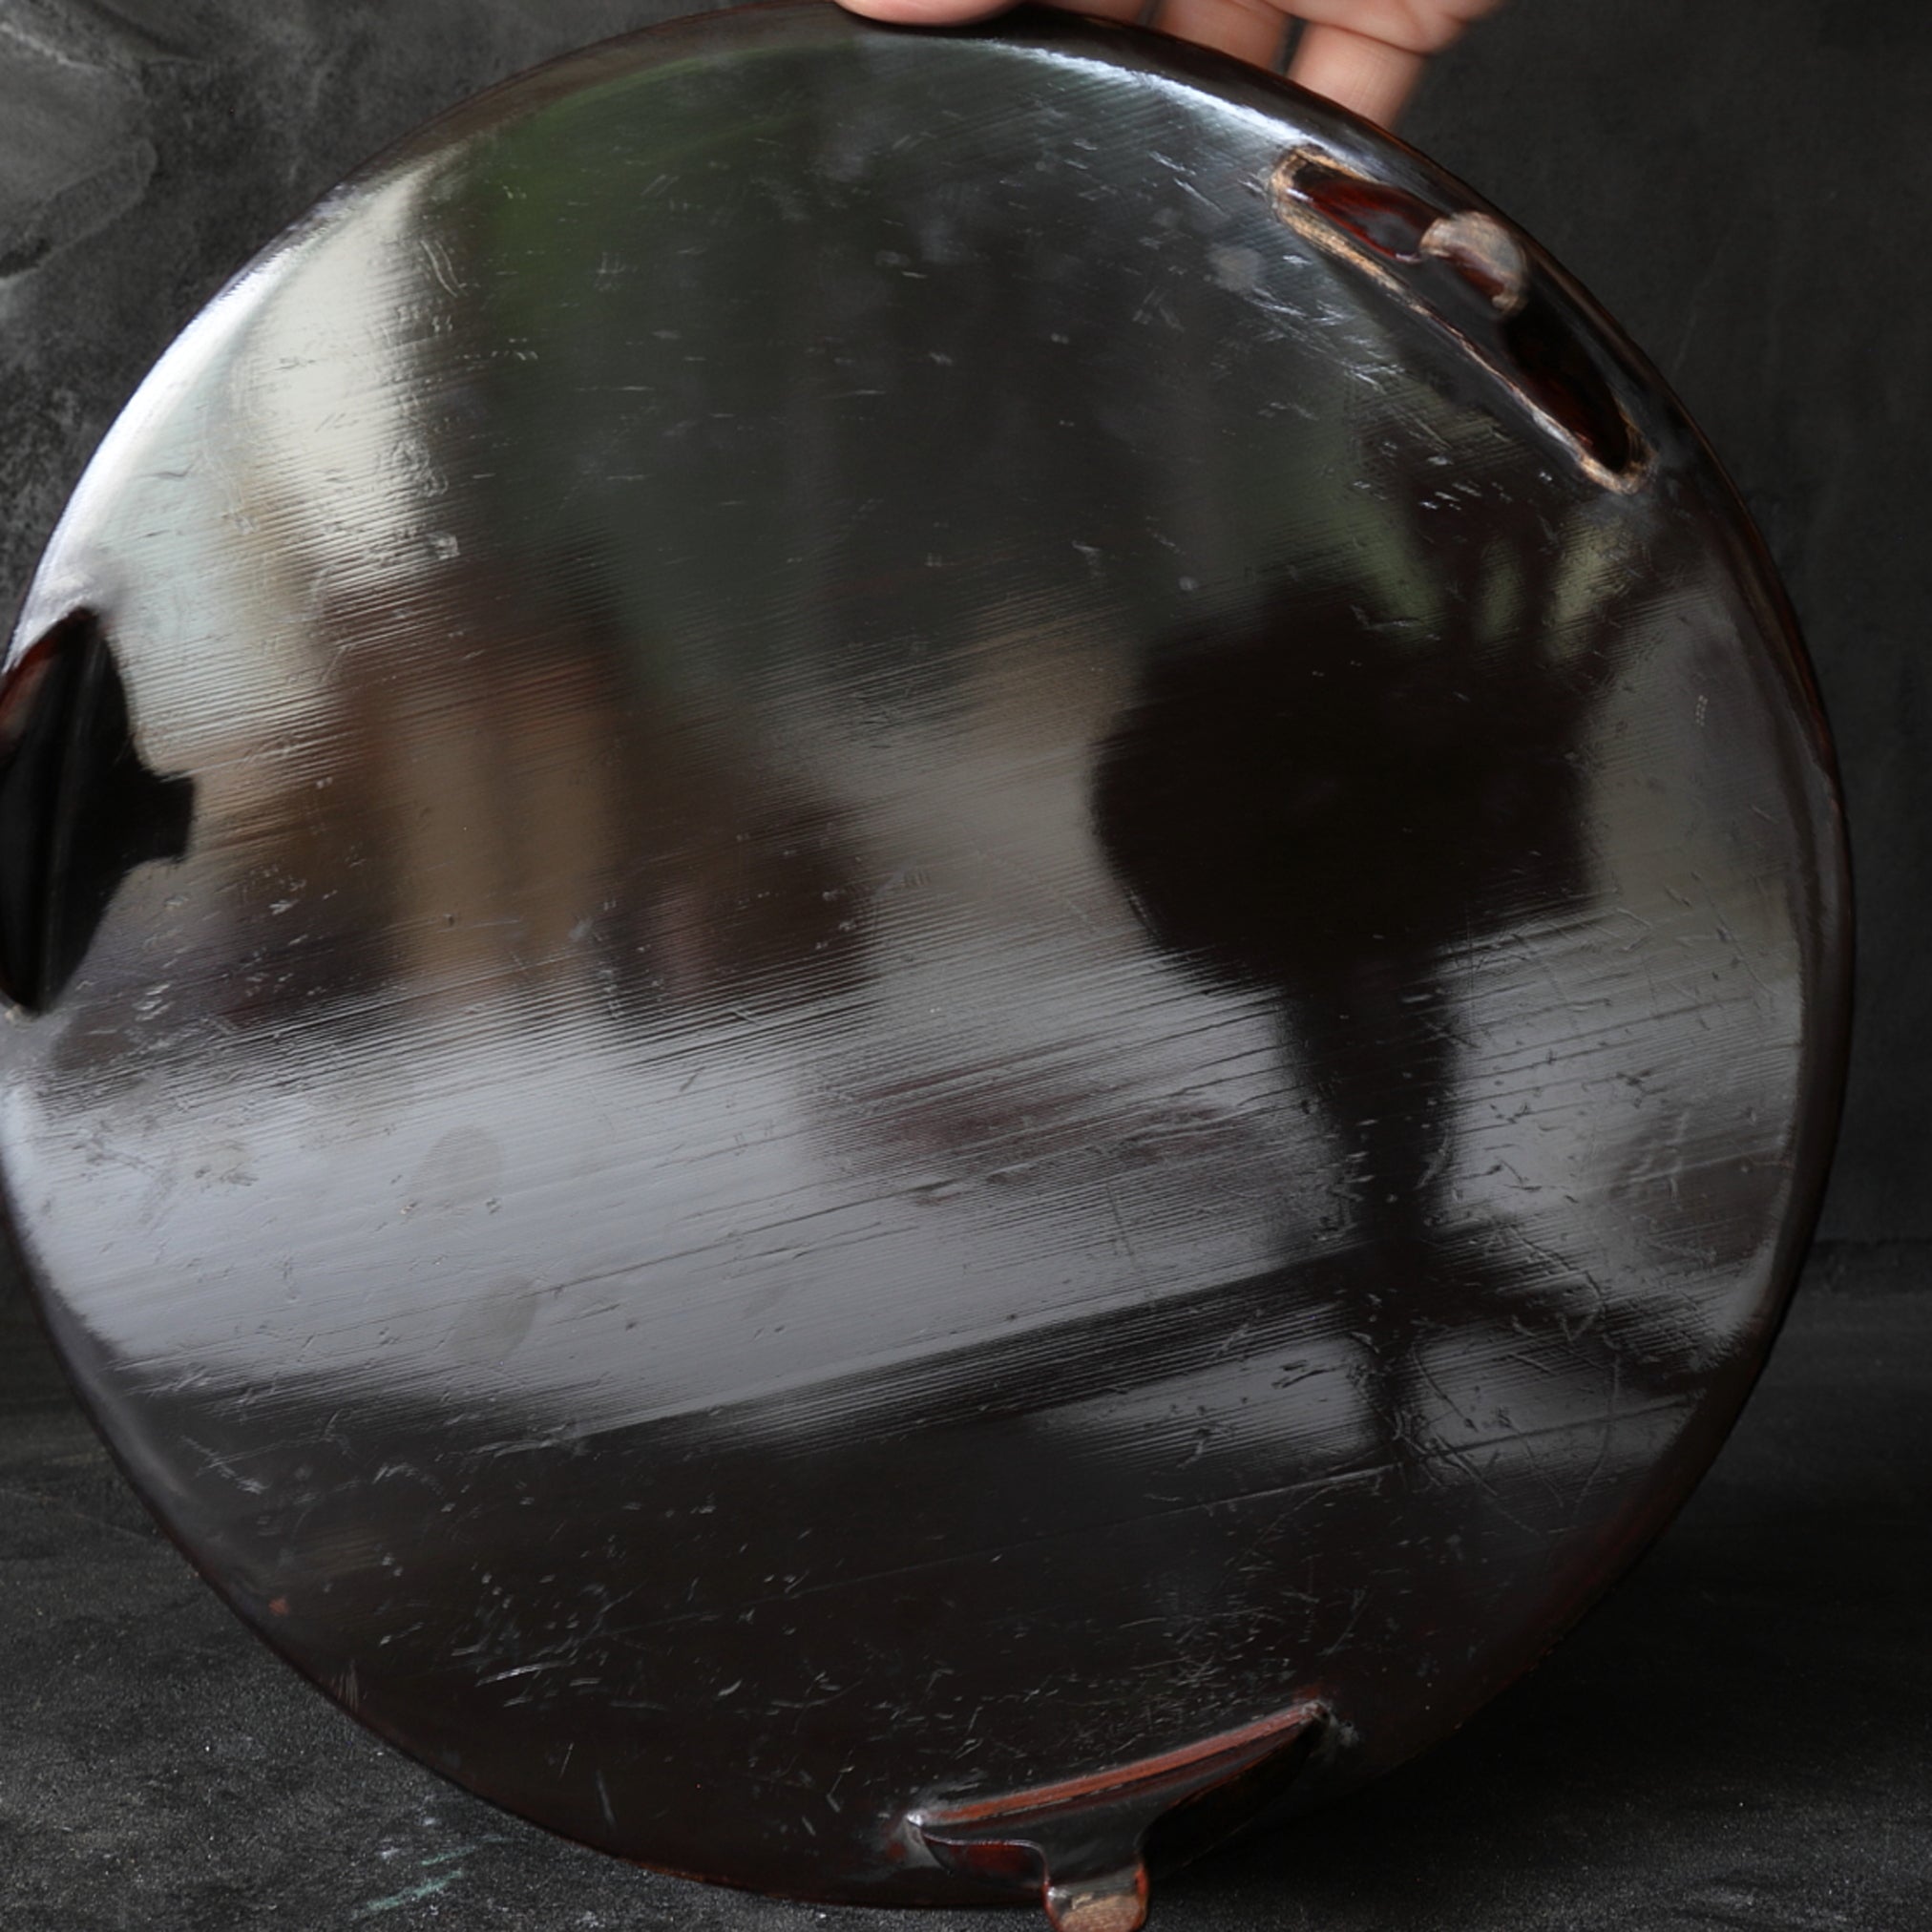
(1741, 1737)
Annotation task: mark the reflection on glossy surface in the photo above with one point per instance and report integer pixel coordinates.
(976, 976)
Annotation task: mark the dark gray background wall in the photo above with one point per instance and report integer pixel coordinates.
(1744, 182)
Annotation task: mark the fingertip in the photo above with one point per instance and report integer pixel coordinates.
(926, 13)
(1365, 75)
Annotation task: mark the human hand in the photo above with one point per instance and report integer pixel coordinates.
(1364, 54)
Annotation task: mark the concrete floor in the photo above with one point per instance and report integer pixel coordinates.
(1741, 1737)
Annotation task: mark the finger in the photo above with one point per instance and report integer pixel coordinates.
(1368, 77)
(926, 13)
(1250, 30)
(1413, 25)
(1130, 12)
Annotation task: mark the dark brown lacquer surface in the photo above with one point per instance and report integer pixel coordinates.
(946, 965)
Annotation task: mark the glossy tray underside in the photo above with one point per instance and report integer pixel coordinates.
(977, 971)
